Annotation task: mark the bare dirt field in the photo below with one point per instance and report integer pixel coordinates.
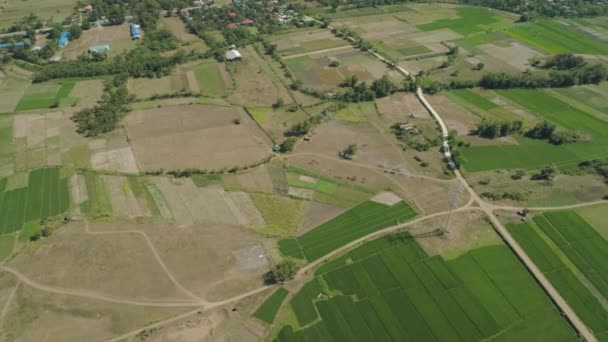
(454, 116)
(256, 85)
(305, 41)
(74, 259)
(315, 214)
(144, 88)
(195, 136)
(87, 92)
(117, 37)
(398, 107)
(258, 180)
(201, 257)
(468, 231)
(12, 88)
(124, 202)
(516, 54)
(386, 198)
(39, 316)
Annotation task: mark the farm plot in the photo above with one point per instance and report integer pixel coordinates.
(326, 189)
(45, 195)
(314, 70)
(46, 94)
(306, 41)
(276, 122)
(534, 154)
(118, 37)
(54, 10)
(579, 297)
(392, 290)
(591, 96)
(471, 20)
(195, 136)
(144, 88)
(553, 37)
(12, 88)
(359, 221)
(581, 243)
(269, 309)
(213, 79)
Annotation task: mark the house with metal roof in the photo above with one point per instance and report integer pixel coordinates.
(64, 38)
(232, 55)
(104, 48)
(135, 31)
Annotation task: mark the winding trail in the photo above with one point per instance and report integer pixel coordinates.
(156, 256)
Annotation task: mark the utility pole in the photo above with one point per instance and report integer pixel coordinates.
(454, 192)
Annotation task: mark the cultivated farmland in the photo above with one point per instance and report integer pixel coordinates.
(554, 37)
(545, 255)
(392, 290)
(268, 310)
(359, 221)
(45, 195)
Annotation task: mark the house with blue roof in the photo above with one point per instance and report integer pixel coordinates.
(63, 39)
(135, 31)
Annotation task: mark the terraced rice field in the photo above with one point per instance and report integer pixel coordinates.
(547, 257)
(391, 290)
(553, 38)
(534, 154)
(359, 221)
(46, 195)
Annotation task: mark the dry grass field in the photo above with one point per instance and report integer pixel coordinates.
(52, 10)
(299, 42)
(117, 37)
(13, 82)
(195, 136)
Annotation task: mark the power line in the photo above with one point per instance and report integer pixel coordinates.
(454, 192)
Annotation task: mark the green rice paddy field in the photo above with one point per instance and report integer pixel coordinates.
(547, 256)
(359, 221)
(472, 19)
(268, 310)
(46, 195)
(534, 154)
(391, 290)
(46, 95)
(553, 38)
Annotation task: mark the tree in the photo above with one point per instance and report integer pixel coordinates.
(288, 145)
(75, 32)
(383, 86)
(564, 61)
(546, 173)
(280, 103)
(282, 272)
(351, 149)
(480, 66)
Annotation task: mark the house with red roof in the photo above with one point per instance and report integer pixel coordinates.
(247, 21)
(86, 8)
(232, 26)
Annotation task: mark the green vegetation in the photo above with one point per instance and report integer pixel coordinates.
(544, 255)
(281, 214)
(268, 310)
(46, 195)
(533, 154)
(98, 204)
(210, 79)
(584, 246)
(260, 115)
(6, 246)
(138, 186)
(472, 19)
(46, 95)
(392, 290)
(553, 38)
(475, 99)
(359, 221)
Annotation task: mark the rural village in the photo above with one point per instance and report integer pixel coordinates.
(303, 170)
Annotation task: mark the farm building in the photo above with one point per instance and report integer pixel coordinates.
(55, 59)
(135, 31)
(9, 45)
(247, 22)
(63, 39)
(232, 55)
(232, 26)
(105, 48)
(86, 8)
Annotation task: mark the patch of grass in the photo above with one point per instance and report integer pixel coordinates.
(206, 180)
(98, 204)
(321, 185)
(137, 185)
(210, 79)
(46, 95)
(7, 242)
(29, 229)
(351, 225)
(395, 291)
(354, 113)
(260, 115)
(475, 99)
(554, 38)
(269, 309)
(472, 19)
(281, 214)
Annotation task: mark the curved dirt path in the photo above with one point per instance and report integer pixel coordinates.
(156, 256)
(563, 207)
